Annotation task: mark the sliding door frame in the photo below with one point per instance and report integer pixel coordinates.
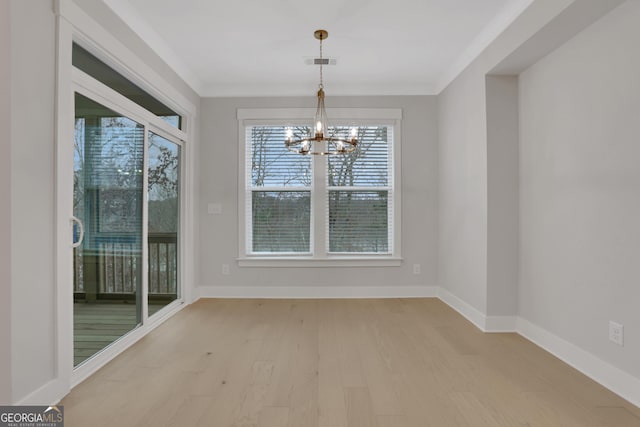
(89, 87)
(75, 26)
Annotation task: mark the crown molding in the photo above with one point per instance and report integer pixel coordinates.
(487, 36)
(138, 25)
(237, 90)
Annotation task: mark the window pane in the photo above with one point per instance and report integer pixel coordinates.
(108, 201)
(368, 165)
(358, 221)
(281, 221)
(163, 221)
(100, 71)
(272, 164)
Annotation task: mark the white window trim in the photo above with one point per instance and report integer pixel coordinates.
(278, 116)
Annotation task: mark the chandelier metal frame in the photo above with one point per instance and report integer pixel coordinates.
(318, 142)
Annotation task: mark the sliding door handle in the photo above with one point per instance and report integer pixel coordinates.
(81, 237)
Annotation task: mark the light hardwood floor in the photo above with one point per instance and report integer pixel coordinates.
(338, 363)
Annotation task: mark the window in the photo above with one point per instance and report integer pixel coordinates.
(88, 63)
(319, 208)
(279, 194)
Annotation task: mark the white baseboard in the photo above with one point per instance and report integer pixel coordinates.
(49, 394)
(304, 292)
(469, 312)
(500, 323)
(616, 380)
(480, 320)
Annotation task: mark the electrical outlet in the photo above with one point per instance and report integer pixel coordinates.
(616, 333)
(416, 269)
(225, 269)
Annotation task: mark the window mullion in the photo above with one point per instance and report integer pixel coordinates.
(319, 201)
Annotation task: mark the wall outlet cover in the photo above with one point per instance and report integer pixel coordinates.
(616, 333)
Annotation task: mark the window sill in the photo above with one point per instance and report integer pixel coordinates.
(305, 262)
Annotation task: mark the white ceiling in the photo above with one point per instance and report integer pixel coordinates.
(259, 47)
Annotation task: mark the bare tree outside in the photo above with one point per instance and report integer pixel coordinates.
(358, 195)
(163, 185)
(272, 164)
(281, 196)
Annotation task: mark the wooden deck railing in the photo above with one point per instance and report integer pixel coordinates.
(163, 263)
(118, 266)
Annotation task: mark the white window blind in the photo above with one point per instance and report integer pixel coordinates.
(359, 208)
(279, 197)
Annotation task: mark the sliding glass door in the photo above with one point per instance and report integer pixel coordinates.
(126, 210)
(108, 231)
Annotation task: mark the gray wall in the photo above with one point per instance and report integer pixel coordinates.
(565, 200)
(472, 201)
(32, 196)
(580, 188)
(27, 187)
(218, 171)
(502, 195)
(5, 208)
(462, 180)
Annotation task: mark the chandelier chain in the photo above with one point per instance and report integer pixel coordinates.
(321, 85)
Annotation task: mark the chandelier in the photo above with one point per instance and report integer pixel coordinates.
(318, 141)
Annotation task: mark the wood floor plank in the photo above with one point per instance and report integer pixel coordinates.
(472, 410)
(379, 379)
(303, 372)
(350, 366)
(359, 407)
(332, 411)
(336, 363)
(234, 394)
(392, 421)
(273, 416)
(190, 412)
(253, 400)
(332, 417)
